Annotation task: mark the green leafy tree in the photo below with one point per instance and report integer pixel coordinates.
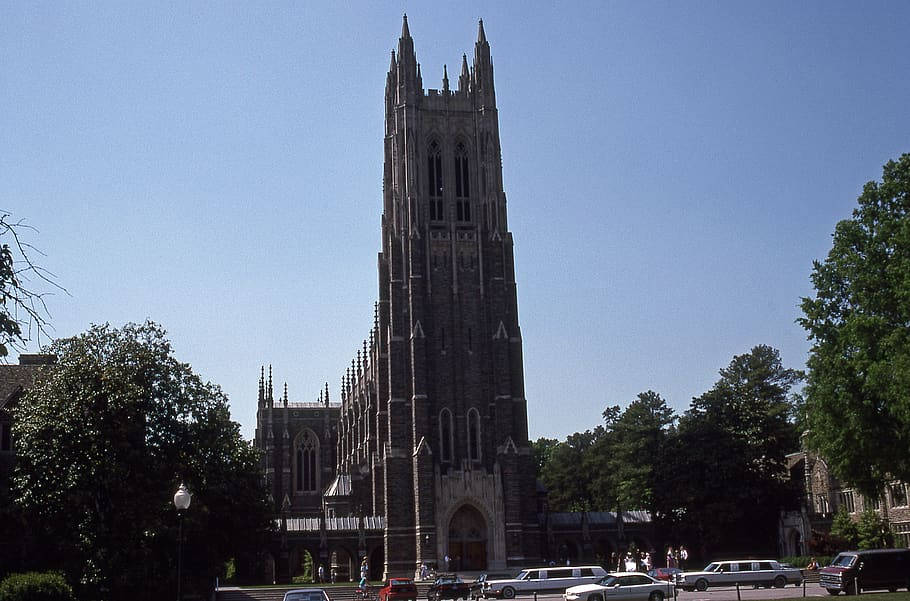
(857, 406)
(873, 531)
(630, 451)
(542, 448)
(844, 529)
(566, 474)
(728, 454)
(105, 437)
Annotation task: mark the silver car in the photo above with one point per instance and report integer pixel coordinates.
(306, 594)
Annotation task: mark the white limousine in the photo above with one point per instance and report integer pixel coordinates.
(757, 572)
(543, 580)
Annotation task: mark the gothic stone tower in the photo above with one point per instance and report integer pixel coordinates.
(455, 475)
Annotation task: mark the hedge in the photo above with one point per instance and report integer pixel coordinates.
(35, 586)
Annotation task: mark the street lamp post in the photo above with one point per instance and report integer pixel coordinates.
(182, 500)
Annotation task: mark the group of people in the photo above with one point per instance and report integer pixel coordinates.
(677, 558)
(320, 574)
(642, 561)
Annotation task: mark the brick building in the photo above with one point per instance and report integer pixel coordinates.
(824, 495)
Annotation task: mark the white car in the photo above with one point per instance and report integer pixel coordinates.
(753, 572)
(625, 586)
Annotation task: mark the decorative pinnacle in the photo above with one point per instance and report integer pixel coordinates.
(445, 78)
(405, 33)
(464, 65)
(481, 36)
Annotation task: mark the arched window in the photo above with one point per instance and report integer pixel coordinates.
(306, 462)
(434, 181)
(462, 183)
(445, 435)
(473, 435)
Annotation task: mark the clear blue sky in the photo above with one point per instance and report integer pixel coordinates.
(672, 170)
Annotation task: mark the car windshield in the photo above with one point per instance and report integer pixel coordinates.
(712, 567)
(305, 596)
(844, 561)
(608, 581)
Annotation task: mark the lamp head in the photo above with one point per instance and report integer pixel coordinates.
(182, 498)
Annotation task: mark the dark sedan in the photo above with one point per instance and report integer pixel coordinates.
(448, 586)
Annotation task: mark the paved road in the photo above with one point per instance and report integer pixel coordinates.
(728, 594)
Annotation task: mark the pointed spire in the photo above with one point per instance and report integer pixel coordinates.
(445, 78)
(481, 36)
(327, 394)
(405, 32)
(464, 80)
(393, 63)
(261, 384)
(270, 397)
(285, 394)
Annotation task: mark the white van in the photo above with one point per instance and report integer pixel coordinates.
(543, 580)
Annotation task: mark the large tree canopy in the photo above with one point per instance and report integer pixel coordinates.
(105, 437)
(858, 392)
(730, 453)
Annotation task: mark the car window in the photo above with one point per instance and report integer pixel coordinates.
(559, 573)
(531, 575)
(765, 565)
(711, 567)
(608, 581)
(843, 561)
(637, 580)
(587, 572)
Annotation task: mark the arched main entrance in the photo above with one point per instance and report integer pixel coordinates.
(467, 540)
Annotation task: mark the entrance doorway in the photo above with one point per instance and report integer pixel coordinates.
(467, 540)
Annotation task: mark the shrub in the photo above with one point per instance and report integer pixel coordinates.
(801, 561)
(35, 586)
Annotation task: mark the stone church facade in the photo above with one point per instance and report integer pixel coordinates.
(425, 453)
(428, 446)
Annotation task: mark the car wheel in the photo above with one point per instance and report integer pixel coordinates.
(596, 598)
(656, 596)
(780, 582)
(701, 585)
(508, 593)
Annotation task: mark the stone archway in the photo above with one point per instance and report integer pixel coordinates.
(467, 540)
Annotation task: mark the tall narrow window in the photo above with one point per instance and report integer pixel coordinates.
(445, 435)
(6, 440)
(473, 435)
(306, 459)
(434, 181)
(462, 183)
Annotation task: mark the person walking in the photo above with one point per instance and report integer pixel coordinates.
(670, 557)
(320, 573)
(364, 572)
(683, 557)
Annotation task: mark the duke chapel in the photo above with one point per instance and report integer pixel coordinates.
(427, 453)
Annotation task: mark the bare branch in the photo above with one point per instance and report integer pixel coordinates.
(23, 308)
